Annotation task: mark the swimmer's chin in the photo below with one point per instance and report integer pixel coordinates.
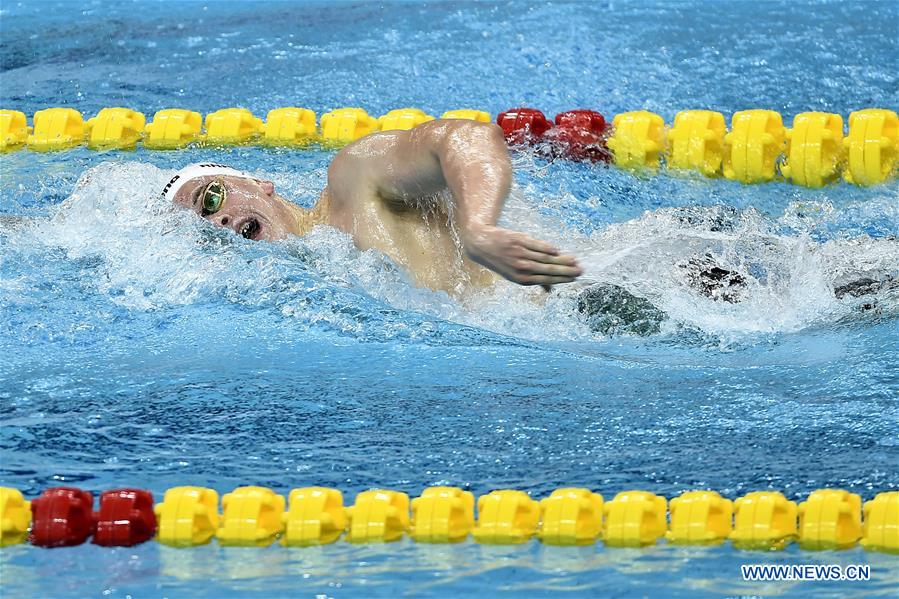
(299, 222)
(269, 231)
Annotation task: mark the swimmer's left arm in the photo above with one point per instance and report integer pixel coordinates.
(472, 161)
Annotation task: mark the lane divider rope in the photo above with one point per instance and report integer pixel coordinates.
(258, 516)
(758, 147)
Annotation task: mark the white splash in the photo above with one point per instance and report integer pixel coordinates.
(146, 255)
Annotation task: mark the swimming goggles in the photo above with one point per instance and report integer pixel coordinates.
(213, 197)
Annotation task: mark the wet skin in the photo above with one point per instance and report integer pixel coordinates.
(384, 191)
(251, 209)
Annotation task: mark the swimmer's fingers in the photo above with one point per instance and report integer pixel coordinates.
(541, 251)
(519, 257)
(535, 245)
(544, 280)
(563, 259)
(541, 263)
(530, 267)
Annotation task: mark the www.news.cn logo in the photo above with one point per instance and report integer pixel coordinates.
(768, 572)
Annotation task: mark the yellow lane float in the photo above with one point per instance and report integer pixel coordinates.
(752, 147)
(571, 517)
(635, 519)
(344, 125)
(14, 129)
(872, 146)
(696, 142)
(251, 516)
(506, 517)
(830, 519)
(638, 140)
(289, 127)
(187, 516)
(15, 517)
(315, 516)
(173, 128)
(56, 129)
(232, 126)
(700, 517)
(403, 119)
(471, 115)
(378, 516)
(880, 531)
(764, 520)
(442, 515)
(814, 153)
(115, 129)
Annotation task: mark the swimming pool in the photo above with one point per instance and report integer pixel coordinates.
(143, 349)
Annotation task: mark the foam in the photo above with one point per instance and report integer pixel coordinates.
(149, 256)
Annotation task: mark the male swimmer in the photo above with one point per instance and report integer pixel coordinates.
(387, 191)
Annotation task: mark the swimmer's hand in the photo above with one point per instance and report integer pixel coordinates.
(519, 257)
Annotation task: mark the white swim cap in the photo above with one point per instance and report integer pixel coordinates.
(201, 169)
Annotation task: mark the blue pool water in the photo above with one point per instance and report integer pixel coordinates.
(141, 348)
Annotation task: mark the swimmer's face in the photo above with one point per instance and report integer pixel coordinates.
(249, 207)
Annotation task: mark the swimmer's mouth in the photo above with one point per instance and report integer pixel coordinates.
(250, 228)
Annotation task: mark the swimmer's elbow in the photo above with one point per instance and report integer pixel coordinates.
(462, 132)
(471, 127)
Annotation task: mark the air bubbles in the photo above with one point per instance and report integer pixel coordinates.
(133, 250)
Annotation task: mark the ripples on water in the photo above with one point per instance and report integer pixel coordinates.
(143, 255)
(142, 347)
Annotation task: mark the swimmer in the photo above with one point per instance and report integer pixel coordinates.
(428, 198)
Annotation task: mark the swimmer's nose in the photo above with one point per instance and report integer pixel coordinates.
(222, 220)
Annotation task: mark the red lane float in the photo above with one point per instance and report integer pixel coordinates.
(523, 125)
(125, 518)
(62, 517)
(579, 135)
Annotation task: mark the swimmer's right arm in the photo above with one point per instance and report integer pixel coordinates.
(472, 161)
